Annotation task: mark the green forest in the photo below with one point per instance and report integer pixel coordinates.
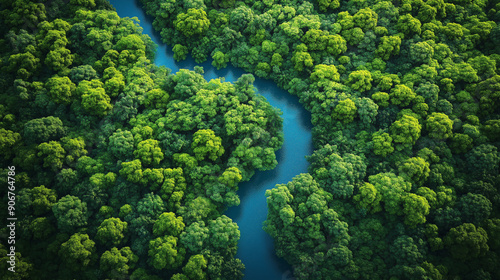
(123, 170)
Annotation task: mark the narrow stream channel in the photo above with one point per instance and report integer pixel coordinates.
(256, 248)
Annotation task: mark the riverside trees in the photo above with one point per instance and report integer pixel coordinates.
(124, 165)
(399, 92)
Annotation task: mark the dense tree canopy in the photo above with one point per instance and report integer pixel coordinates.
(123, 170)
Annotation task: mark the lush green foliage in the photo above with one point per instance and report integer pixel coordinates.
(405, 107)
(123, 170)
(404, 98)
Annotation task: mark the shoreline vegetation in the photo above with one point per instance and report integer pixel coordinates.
(123, 170)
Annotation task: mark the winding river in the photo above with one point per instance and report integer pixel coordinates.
(256, 248)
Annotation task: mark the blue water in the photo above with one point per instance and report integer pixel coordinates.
(256, 248)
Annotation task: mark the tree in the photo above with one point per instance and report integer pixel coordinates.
(168, 224)
(345, 111)
(484, 158)
(192, 23)
(151, 206)
(70, 212)
(337, 174)
(195, 236)
(300, 220)
(408, 24)
(132, 171)
(149, 152)
(354, 36)
(224, 233)
(185, 161)
(94, 98)
(230, 177)
(368, 198)
(415, 170)
(82, 4)
(165, 254)
(492, 129)
(88, 166)
(360, 80)
(421, 52)
(114, 81)
(405, 251)
(493, 229)
(328, 4)
(195, 266)
(8, 139)
(116, 263)
(53, 155)
(142, 273)
(487, 92)
(24, 64)
(77, 252)
(301, 58)
(60, 89)
(59, 59)
(405, 132)
(157, 98)
(382, 143)
(74, 147)
(381, 98)
(453, 30)
(220, 60)
(65, 180)
(82, 72)
(179, 276)
(467, 242)
(392, 188)
(276, 60)
(153, 177)
(323, 74)
(42, 199)
(198, 209)
(43, 130)
(402, 95)
(180, 52)
(315, 39)
(121, 144)
(367, 110)
(475, 208)
(111, 231)
(132, 42)
(389, 45)
(365, 18)
(18, 41)
(336, 45)
(262, 69)
(207, 144)
(439, 126)
(173, 187)
(415, 208)
(42, 228)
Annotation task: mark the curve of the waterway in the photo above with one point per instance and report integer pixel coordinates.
(256, 248)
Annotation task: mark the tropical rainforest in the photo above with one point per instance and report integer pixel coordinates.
(124, 170)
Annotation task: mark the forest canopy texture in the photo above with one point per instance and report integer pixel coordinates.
(122, 169)
(404, 96)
